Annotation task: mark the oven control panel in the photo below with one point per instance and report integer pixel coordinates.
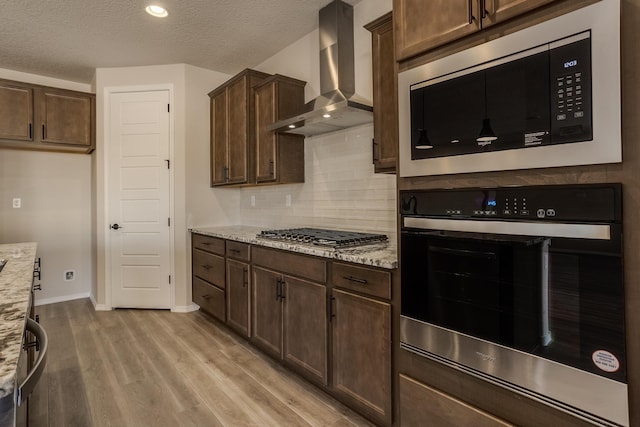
(587, 202)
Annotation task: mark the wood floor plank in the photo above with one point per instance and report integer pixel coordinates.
(157, 368)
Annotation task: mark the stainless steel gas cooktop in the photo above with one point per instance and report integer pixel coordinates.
(322, 237)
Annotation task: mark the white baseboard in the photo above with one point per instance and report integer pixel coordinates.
(185, 308)
(39, 301)
(98, 307)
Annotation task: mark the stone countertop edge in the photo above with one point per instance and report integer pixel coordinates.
(382, 255)
(16, 280)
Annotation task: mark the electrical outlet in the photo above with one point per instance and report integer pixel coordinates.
(17, 203)
(69, 275)
(253, 201)
(287, 200)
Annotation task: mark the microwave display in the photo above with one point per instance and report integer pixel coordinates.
(538, 97)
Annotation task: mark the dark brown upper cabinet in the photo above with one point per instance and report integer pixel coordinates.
(233, 129)
(279, 156)
(44, 118)
(385, 95)
(423, 25)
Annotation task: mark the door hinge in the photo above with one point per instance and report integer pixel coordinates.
(168, 163)
(169, 222)
(169, 279)
(168, 108)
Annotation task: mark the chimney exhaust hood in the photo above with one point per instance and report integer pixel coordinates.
(338, 107)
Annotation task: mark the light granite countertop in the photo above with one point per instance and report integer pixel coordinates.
(384, 255)
(15, 302)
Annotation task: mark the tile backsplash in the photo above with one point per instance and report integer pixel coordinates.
(340, 189)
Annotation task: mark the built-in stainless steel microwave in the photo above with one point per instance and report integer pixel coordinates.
(545, 96)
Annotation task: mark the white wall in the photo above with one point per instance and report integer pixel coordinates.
(55, 189)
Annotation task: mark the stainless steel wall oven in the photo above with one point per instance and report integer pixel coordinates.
(522, 286)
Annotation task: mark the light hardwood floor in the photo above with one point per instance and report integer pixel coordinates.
(156, 368)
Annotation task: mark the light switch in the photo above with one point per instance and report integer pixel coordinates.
(17, 203)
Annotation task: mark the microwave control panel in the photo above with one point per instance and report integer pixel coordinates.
(570, 87)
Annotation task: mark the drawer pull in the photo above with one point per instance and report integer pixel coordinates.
(207, 267)
(235, 251)
(206, 296)
(205, 244)
(355, 279)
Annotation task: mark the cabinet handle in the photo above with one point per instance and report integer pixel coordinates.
(485, 12)
(245, 277)
(206, 296)
(373, 145)
(30, 131)
(205, 244)
(471, 17)
(331, 313)
(235, 251)
(206, 266)
(282, 289)
(271, 167)
(225, 173)
(278, 283)
(355, 279)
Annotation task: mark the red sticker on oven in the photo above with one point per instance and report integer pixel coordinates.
(605, 360)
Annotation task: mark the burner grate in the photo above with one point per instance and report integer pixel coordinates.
(323, 237)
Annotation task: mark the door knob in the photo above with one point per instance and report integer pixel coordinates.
(116, 226)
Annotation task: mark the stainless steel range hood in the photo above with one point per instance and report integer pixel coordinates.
(338, 107)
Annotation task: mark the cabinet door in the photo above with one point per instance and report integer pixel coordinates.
(16, 112)
(362, 353)
(421, 25)
(266, 311)
(265, 139)
(305, 327)
(238, 296)
(219, 148)
(237, 131)
(66, 117)
(385, 94)
(501, 10)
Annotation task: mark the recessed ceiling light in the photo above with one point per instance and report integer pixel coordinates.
(157, 11)
(326, 115)
(292, 126)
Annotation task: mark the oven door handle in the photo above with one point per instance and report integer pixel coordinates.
(516, 228)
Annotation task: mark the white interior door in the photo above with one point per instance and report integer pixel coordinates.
(139, 199)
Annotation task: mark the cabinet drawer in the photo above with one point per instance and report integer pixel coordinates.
(209, 267)
(419, 402)
(237, 250)
(289, 263)
(209, 298)
(208, 244)
(362, 279)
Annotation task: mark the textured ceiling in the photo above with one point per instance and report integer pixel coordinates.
(69, 39)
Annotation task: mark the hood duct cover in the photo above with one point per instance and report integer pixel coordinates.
(338, 107)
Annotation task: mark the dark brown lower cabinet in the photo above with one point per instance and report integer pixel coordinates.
(266, 311)
(361, 350)
(289, 321)
(421, 405)
(238, 296)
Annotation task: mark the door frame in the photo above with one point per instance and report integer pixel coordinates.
(108, 91)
